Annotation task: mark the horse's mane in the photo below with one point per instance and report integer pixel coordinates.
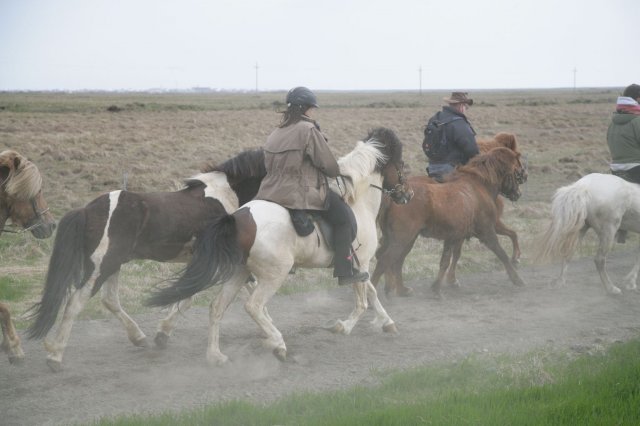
(23, 179)
(502, 139)
(379, 148)
(489, 167)
(247, 164)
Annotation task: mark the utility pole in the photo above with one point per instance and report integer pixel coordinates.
(256, 78)
(575, 71)
(420, 78)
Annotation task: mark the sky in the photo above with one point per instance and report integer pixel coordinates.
(324, 45)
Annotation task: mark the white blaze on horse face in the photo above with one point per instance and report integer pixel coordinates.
(103, 246)
(217, 186)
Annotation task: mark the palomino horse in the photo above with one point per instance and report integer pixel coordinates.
(259, 240)
(603, 202)
(463, 206)
(401, 220)
(21, 201)
(93, 242)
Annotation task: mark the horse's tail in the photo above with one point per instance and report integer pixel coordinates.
(66, 267)
(568, 218)
(216, 255)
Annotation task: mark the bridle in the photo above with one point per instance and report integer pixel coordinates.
(39, 222)
(398, 190)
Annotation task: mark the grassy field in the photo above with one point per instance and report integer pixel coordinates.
(90, 143)
(541, 388)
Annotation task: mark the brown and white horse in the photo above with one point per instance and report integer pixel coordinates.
(21, 201)
(94, 241)
(259, 240)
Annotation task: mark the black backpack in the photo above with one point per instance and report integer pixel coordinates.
(434, 144)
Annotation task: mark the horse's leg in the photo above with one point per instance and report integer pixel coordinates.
(451, 271)
(168, 324)
(606, 236)
(345, 327)
(56, 346)
(217, 309)
(490, 239)
(502, 229)
(266, 288)
(561, 280)
(445, 261)
(382, 318)
(111, 301)
(10, 339)
(632, 277)
(390, 263)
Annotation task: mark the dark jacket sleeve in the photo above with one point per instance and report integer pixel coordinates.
(465, 138)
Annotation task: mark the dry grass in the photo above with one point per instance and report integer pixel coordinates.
(154, 141)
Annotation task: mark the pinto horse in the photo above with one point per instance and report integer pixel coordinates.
(259, 240)
(94, 241)
(463, 206)
(602, 202)
(401, 217)
(21, 201)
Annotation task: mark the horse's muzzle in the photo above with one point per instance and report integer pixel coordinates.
(43, 230)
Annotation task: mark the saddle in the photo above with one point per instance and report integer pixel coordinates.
(304, 222)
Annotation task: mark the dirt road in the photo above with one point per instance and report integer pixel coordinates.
(105, 375)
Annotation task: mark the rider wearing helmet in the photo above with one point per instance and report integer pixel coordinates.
(298, 162)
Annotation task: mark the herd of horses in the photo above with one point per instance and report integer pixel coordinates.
(226, 238)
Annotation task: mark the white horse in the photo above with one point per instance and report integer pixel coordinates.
(259, 240)
(603, 202)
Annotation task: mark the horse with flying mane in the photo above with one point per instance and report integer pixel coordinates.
(465, 205)
(259, 239)
(93, 242)
(403, 217)
(21, 200)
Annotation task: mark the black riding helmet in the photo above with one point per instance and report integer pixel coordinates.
(302, 96)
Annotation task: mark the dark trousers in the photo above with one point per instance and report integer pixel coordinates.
(342, 219)
(631, 175)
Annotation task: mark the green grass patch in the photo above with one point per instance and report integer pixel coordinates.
(12, 288)
(540, 388)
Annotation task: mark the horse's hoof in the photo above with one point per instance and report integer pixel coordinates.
(16, 360)
(161, 340)
(455, 284)
(405, 292)
(519, 283)
(334, 327)
(614, 291)
(390, 328)
(55, 366)
(217, 361)
(142, 343)
(281, 354)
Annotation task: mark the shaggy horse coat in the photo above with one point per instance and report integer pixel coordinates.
(21, 201)
(463, 206)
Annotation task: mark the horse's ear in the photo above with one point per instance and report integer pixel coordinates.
(507, 140)
(16, 163)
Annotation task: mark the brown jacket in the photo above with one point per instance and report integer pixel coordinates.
(298, 162)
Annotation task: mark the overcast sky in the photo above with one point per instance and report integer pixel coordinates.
(325, 45)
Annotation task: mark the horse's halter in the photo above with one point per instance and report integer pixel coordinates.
(511, 184)
(37, 222)
(399, 194)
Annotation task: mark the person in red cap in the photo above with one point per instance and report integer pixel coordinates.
(449, 139)
(298, 162)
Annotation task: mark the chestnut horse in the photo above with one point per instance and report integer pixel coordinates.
(394, 284)
(259, 240)
(21, 201)
(463, 206)
(94, 241)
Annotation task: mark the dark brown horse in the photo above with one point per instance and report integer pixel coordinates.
(21, 201)
(464, 206)
(94, 241)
